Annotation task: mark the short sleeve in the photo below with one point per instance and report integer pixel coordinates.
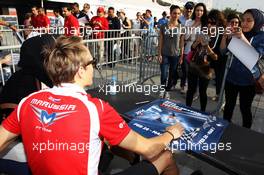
(11, 123)
(112, 127)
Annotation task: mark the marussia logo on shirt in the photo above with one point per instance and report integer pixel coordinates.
(48, 119)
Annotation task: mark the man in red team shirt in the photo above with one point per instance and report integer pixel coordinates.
(99, 22)
(34, 11)
(62, 128)
(71, 24)
(42, 19)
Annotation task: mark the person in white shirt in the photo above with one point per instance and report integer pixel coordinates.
(137, 23)
(59, 20)
(187, 13)
(87, 11)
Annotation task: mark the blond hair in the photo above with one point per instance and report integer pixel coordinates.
(65, 58)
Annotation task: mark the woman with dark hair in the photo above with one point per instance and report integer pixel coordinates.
(240, 80)
(200, 14)
(233, 20)
(199, 69)
(171, 45)
(216, 20)
(194, 25)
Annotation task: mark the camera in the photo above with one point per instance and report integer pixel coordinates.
(237, 29)
(205, 38)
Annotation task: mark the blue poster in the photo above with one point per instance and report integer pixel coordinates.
(201, 129)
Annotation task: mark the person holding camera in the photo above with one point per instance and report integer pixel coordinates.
(199, 72)
(240, 80)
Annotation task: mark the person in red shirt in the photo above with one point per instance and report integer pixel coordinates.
(99, 22)
(71, 24)
(63, 128)
(34, 11)
(42, 19)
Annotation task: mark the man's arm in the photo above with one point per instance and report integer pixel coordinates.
(116, 131)
(150, 148)
(146, 21)
(3, 23)
(75, 25)
(9, 129)
(6, 138)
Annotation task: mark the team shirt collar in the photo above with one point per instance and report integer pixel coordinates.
(74, 87)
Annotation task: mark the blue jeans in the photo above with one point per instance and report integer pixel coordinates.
(169, 64)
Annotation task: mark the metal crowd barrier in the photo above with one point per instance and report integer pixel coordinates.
(129, 55)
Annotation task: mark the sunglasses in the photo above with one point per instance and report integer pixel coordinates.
(92, 62)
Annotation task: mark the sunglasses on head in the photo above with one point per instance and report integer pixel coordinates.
(189, 8)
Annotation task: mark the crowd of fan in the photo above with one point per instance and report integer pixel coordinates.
(72, 18)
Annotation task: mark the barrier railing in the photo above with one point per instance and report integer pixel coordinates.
(129, 55)
(124, 54)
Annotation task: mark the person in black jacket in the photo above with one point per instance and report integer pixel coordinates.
(80, 15)
(114, 24)
(30, 75)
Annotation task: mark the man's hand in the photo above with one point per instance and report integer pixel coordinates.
(177, 130)
(13, 28)
(6, 60)
(261, 81)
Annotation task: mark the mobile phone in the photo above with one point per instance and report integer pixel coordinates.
(237, 29)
